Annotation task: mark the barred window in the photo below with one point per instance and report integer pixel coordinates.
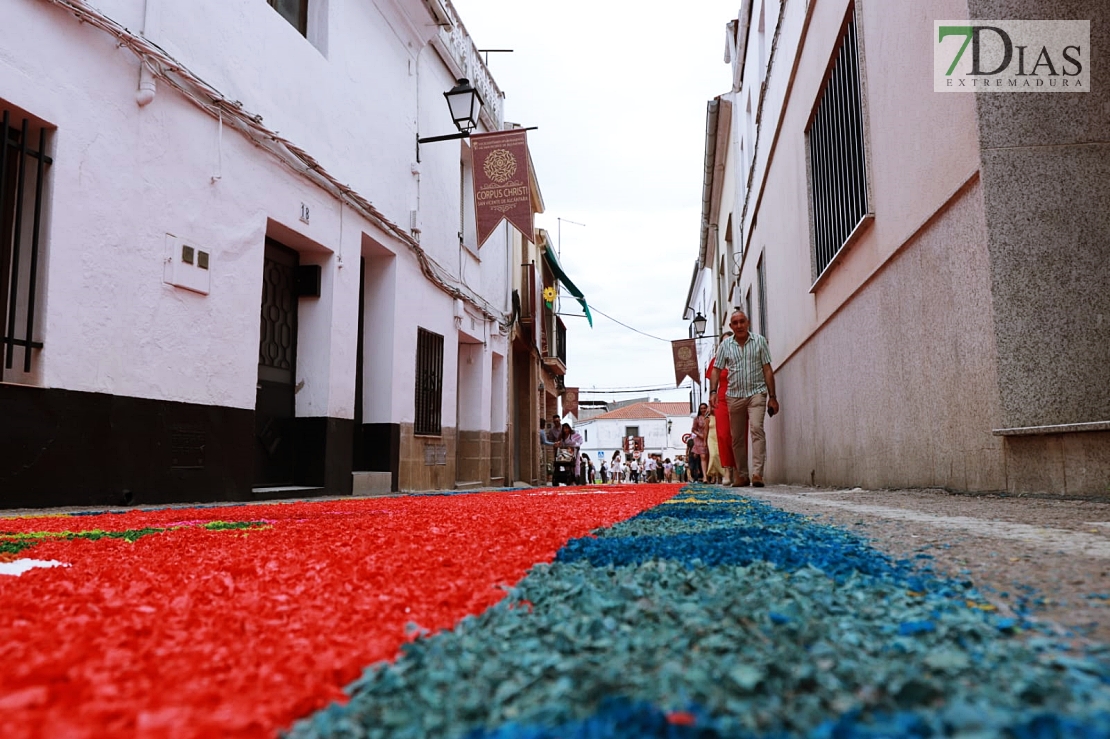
(838, 175)
(429, 383)
(23, 172)
(761, 280)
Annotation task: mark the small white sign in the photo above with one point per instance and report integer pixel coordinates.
(1011, 56)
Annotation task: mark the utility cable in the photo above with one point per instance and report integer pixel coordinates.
(614, 391)
(595, 309)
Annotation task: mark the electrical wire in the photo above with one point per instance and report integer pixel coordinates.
(622, 391)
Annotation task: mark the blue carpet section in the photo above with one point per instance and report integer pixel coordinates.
(713, 615)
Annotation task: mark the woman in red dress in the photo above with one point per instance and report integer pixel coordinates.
(720, 413)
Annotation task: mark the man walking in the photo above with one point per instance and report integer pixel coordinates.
(750, 394)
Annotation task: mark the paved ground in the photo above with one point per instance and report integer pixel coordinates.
(1003, 544)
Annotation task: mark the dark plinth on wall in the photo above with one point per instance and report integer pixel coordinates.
(377, 448)
(67, 448)
(324, 450)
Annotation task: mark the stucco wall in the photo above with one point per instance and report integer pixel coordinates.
(899, 388)
(886, 369)
(124, 176)
(921, 148)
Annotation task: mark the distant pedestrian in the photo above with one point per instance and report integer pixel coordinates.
(604, 471)
(554, 428)
(571, 440)
(668, 470)
(700, 430)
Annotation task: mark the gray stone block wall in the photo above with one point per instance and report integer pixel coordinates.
(1046, 191)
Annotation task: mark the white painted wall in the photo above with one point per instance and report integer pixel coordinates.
(354, 98)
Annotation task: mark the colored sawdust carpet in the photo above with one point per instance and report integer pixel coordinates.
(235, 621)
(713, 615)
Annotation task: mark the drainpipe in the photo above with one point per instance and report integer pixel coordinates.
(145, 94)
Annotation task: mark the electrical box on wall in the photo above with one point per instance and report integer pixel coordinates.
(187, 265)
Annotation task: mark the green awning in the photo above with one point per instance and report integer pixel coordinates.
(570, 286)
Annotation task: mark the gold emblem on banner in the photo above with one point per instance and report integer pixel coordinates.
(684, 353)
(500, 165)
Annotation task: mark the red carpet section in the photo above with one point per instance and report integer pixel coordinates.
(235, 621)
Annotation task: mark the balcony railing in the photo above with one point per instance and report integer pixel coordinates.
(560, 341)
(555, 343)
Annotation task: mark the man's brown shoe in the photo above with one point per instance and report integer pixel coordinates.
(740, 482)
(757, 481)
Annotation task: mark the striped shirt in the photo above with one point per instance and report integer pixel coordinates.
(744, 365)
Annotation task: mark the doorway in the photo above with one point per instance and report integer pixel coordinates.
(275, 406)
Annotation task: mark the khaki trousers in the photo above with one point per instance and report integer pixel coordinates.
(745, 413)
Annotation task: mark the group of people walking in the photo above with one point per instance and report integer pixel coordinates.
(564, 443)
(654, 468)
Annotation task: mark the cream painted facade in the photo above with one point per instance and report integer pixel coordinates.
(960, 335)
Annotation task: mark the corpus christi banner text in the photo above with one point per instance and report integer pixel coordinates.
(502, 182)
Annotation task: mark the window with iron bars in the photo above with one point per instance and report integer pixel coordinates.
(23, 163)
(837, 159)
(761, 284)
(429, 383)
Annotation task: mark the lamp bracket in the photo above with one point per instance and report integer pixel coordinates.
(445, 137)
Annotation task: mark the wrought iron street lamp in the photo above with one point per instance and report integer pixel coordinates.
(465, 104)
(699, 324)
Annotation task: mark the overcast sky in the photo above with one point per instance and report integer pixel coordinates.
(619, 92)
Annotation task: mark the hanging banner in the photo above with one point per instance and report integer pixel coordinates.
(685, 353)
(570, 401)
(502, 182)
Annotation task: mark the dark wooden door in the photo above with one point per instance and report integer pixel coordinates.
(274, 408)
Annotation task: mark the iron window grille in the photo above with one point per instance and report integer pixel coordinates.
(838, 171)
(429, 383)
(22, 178)
(761, 279)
